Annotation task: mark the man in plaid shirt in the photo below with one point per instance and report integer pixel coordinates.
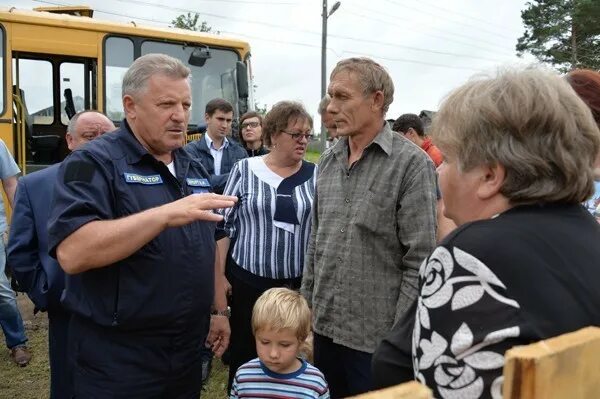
(374, 221)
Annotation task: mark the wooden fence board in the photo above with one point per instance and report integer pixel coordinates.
(567, 366)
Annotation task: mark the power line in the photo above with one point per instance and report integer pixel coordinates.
(433, 35)
(244, 35)
(414, 48)
(339, 55)
(419, 62)
(448, 19)
(270, 3)
(395, 23)
(406, 60)
(140, 2)
(220, 16)
(105, 12)
(485, 21)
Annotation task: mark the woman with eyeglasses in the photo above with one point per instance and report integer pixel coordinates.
(252, 135)
(269, 228)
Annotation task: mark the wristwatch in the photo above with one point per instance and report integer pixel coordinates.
(225, 312)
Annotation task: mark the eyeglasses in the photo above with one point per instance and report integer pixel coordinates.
(250, 124)
(297, 136)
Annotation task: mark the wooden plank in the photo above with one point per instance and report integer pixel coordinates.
(567, 366)
(408, 390)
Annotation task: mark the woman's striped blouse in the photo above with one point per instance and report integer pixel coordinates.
(262, 245)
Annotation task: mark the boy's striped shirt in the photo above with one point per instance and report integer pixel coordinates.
(255, 380)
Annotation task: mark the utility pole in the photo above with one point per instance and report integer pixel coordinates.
(325, 14)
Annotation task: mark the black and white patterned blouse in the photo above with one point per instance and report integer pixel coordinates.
(531, 273)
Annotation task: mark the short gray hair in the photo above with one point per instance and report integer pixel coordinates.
(529, 121)
(136, 78)
(372, 77)
(323, 104)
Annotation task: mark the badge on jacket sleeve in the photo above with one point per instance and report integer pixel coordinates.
(198, 186)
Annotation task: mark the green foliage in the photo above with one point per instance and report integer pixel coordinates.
(563, 33)
(190, 22)
(312, 156)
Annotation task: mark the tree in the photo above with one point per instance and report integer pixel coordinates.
(190, 22)
(563, 33)
(257, 108)
(261, 110)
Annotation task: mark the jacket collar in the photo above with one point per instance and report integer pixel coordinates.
(209, 142)
(426, 144)
(135, 151)
(383, 140)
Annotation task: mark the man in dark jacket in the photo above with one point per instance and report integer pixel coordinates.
(132, 226)
(38, 274)
(217, 153)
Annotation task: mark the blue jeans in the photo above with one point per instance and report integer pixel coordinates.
(10, 318)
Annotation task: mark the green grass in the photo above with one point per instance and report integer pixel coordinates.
(312, 156)
(29, 382)
(33, 381)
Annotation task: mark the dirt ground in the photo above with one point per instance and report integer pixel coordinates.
(33, 381)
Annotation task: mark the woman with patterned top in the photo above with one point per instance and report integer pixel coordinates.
(270, 226)
(252, 135)
(522, 266)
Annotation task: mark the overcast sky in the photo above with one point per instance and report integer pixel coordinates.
(428, 46)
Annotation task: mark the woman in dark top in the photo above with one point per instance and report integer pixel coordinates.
(269, 228)
(522, 266)
(251, 124)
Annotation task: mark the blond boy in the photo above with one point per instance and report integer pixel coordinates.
(281, 324)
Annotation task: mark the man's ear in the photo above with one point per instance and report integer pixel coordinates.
(491, 181)
(69, 138)
(377, 100)
(411, 135)
(129, 106)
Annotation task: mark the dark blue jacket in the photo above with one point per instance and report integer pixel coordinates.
(38, 274)
(167, 286)
(231, 154)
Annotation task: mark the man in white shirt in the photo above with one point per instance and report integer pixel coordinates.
(217, 153)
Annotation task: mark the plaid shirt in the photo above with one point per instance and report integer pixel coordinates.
(373, 225)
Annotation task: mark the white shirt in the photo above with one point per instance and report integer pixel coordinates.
(216, 154)
(171, 167)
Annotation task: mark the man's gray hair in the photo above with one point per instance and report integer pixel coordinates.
(372, 77)
(137, 76)
(323, 104)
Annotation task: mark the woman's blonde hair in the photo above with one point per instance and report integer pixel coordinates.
(532, 123)
(281, 308)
